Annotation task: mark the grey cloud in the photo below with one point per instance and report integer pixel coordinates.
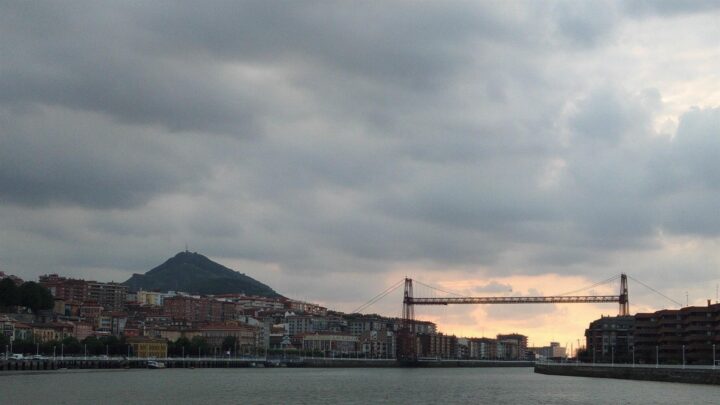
(607, 115)
(586, 24)
(640, 8)
(57, 157)
(338, 140)
(494, 287)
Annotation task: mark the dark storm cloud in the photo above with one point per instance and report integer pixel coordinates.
(332, 139)
(84, 56)
(60, 157)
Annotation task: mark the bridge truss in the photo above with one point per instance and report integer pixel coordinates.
(407, 333)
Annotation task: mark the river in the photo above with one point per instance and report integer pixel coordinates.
(333, 386)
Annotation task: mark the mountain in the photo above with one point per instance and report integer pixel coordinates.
(196, 274)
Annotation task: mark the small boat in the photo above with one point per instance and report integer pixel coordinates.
(155, 364)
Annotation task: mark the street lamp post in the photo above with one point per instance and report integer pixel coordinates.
(657, 357)
(612, 356)
(62, 351)
(713, 357)
(683, 350)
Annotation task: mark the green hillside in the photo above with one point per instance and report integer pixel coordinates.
(196, 274)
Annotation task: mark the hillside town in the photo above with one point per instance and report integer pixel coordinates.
(106, 318)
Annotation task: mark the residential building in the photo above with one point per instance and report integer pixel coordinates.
(67, 289)
(512, 346)
(669, 336)
(333, 344)
(111, 296)
(246, 336)
(436, 345)
(610, 339)
(193, 309)
(143, 346)
(378, 344)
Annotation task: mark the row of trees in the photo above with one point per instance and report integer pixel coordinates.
(95, 346)
(109, 345)
(29, 294)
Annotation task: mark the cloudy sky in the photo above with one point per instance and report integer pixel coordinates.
(331, 148)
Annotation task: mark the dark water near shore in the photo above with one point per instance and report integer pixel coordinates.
(332, 386)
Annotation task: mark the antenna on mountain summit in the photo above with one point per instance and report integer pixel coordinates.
(186, 247)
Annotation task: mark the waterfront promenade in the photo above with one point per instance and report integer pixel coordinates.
(212, 362)
(706, 374)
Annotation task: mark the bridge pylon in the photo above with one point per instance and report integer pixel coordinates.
(624, 298)
(407, 337)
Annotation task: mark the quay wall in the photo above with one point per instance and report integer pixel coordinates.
(644, 373)
(81, 363)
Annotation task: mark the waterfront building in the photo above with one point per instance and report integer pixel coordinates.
(482, 348)
(554, 351)
(246, 336)
(23, 331)
(7, 327)
(143, 346)
(436, 345)
(512, 346)
(610, 339)
(47, 332)
(332, 344)
(378, 344)
(668, 336)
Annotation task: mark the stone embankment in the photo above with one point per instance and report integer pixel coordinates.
(121, 363)
(689, 374)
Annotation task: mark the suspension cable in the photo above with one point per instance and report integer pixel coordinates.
(611, 279)
(439, 289)
(379, 296)
(655, 291)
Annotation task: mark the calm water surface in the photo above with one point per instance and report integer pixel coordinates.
(332, 386)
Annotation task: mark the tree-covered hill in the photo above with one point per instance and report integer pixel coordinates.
(196, 274)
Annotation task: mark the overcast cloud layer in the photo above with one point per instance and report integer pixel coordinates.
(328, 148)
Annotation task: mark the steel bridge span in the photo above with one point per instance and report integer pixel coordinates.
(407, 333)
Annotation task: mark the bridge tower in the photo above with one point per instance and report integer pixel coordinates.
(624, 299)
(407, 338)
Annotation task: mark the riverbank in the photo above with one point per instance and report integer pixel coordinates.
(120, 363)
(688, 375)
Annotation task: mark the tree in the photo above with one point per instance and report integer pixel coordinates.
(94, 345)
(35, 296)
(198, 344)
(72, 345)
(229, 343)
(9, 294)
